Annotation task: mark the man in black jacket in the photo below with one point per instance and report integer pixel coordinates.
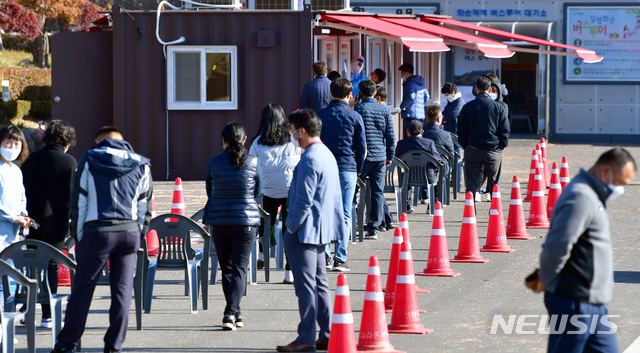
(48, 178)
(483, 132)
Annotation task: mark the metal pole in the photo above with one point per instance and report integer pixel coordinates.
(546, 98)
(167, 144)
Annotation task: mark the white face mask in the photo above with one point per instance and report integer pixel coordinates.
(616, 190)
(10, 154)
(294, 141)
(449, 98)
(493, 96)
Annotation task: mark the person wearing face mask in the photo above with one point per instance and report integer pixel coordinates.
(48, 179)
(414, 95)
(13, 200)
(455, 102)
(496, 91)
(357, 74)
(278, 154)
(576, 263)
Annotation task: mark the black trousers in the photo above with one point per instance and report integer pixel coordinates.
(233, 245)
(92, 253)
(270, 206)
(57, 242)
(474, 161)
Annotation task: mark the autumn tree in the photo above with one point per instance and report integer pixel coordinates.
(89, 13)
(15, 18)
(65, 10)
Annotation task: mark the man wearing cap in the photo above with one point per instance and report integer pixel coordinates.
(357, 73)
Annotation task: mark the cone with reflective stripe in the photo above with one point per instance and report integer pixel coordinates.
(177, 205)
(516, 228)
(153, 244)
(496, 232)
(469, 246)
(564, 173)
(406, 237)
(542, 168)
(545, 162)
(438, 261)
(393, 269)
(343, 336)
(555, 189)
(532, 174)
(374, 335)
(405, 317)
(538, 211)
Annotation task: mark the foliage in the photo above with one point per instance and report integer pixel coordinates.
(61, 9)
(89, 13)
(21, 109)
(14, 58)
(16, 18)
(28, 84)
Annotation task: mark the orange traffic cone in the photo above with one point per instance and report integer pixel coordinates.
(438, 261)
(469, 246)
(393, 270)
(554, 190)
(153, 206)
(64, 277)
(405, 317)
(545, 162)
(496, 233)
(177, 206)
(542, 169)
(564, 173)
(516, 228)
(343, 336)
(374, 335)
(532, 174)
(406, 238)
(538, 211)
(153, 244)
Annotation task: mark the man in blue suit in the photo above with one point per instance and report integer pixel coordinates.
(315, 219)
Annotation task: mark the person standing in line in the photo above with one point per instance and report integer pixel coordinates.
(414, 95)
(110, 211)
(455, 102)
(389, 222)
(277, 157)
(378, 76)
(576, 263)
(233, 215)
(316, 94)
(483, 130)
(13, 201)
(433, 131)
(380, 139)
(333, 75)
(315, 219)
(48, 180)
(344, 135)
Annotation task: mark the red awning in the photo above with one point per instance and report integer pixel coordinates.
(413, 39)
(587, 55)
(489, 48)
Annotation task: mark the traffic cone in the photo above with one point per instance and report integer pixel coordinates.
(177, 205)
(469, 246)
(153, 244)
(564, 173)
(516, 228)
(393, 269)
(438, 261)
(541, 166)
(532, 174)
(406, 238)
(554, 190)
(545, 162)
(343, 336)
(374, 335)
(405, 317)
(496, 233)
(538, 211)
(64, 277)
(153, 206)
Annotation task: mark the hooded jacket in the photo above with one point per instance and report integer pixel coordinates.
(111, 191)
(414, 97)
(497, 88)
(451, 112)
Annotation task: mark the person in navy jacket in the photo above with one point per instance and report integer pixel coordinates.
(316, 94)
(455, 102)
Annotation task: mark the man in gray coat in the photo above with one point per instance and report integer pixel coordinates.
(576, 263)
(315, 219)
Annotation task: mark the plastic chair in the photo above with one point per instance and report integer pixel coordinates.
(417, 162)
(445, 186)
(9, 316)
(32, 257)
(359, 210)
(266, 248)
(458, 164)
(213, 255)
(176, 252)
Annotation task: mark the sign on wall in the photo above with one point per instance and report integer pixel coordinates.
(614, 33)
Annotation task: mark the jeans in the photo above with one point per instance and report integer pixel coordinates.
(233, 245)
(348, 181)
(376, 172)
(597, 337)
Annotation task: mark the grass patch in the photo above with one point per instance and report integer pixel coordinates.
(12, 58)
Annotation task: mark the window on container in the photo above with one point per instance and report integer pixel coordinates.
(202, 78)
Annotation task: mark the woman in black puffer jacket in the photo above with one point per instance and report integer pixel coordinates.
(233, 215)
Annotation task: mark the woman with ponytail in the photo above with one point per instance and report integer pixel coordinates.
(233, 216)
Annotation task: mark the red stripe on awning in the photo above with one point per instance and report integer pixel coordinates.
(489, 48)
(587, 55)
(414, 40)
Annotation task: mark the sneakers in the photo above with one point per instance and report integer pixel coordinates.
(488, 197)
(239, 321)
(391, 225)
(341, 266)
(46, 323)
(410, 210)
(329, 267)
(382, 228)
(424, 202)
(371, 235)
(229, 323)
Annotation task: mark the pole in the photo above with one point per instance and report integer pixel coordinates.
(546, 98)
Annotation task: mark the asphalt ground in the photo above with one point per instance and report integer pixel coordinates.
(459, 309)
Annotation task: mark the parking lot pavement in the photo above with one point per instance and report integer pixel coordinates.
(459, 309)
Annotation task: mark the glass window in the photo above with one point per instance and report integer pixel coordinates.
(187, 77)
(218, 69)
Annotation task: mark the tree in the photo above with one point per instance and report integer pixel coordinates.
(15, 18)
(66, 10)
(89, 13)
